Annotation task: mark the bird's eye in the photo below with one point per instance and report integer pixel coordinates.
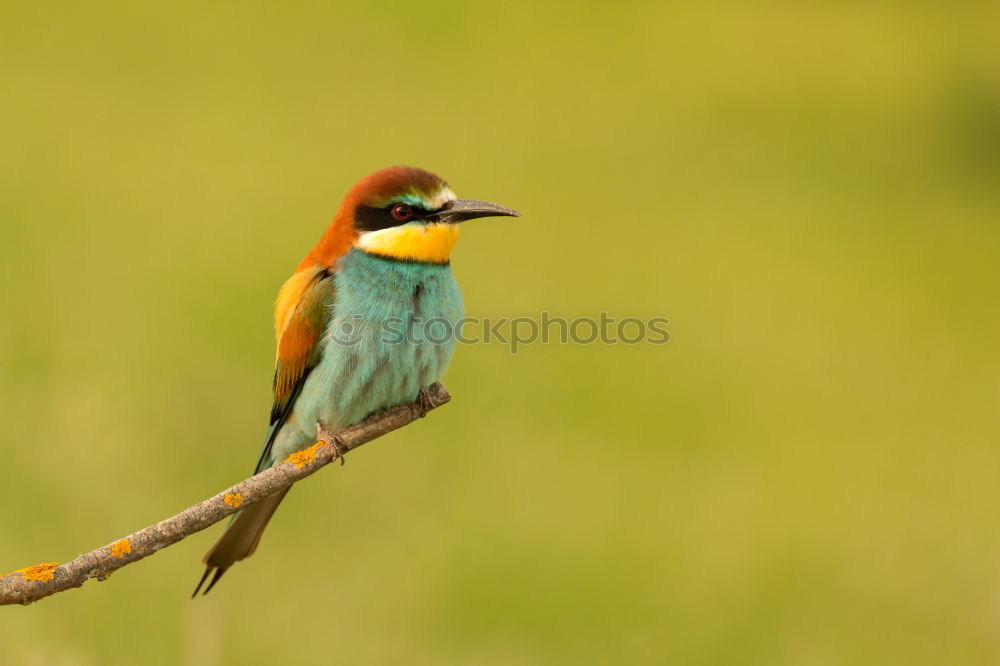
(401, 212)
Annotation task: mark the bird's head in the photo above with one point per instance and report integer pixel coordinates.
(404, 213)
(410, 214)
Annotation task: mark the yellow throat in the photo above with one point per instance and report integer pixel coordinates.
(430, 243)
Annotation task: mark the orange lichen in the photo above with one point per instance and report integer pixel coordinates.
(233, 499)
(40, 573)
(306, 456)
(121, 548)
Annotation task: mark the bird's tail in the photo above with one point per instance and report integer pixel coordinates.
(240, 539)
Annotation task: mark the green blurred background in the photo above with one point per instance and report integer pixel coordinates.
(805, 475)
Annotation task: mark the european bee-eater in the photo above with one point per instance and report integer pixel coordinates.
(348, 324)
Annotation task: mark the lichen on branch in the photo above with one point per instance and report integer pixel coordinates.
(30, 584)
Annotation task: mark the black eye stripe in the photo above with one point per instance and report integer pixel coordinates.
(368, 218)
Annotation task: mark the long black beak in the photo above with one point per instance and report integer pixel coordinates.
(461, 210)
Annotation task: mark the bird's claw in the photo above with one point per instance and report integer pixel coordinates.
(334, 440)
(425, 403)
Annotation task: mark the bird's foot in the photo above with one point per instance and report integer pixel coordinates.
(425, 403)
(334, 440)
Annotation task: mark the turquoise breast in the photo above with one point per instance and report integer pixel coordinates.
(392, 332)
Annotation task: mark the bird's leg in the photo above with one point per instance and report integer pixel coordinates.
(333, 439)
(425, 402)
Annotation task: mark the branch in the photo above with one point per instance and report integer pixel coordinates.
(25, 586)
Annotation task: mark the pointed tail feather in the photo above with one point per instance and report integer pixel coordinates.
(240, 539)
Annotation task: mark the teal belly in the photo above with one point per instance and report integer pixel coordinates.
(392, 333)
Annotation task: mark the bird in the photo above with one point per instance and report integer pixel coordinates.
(348, 324)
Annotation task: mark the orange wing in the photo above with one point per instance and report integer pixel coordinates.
(301, 316)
